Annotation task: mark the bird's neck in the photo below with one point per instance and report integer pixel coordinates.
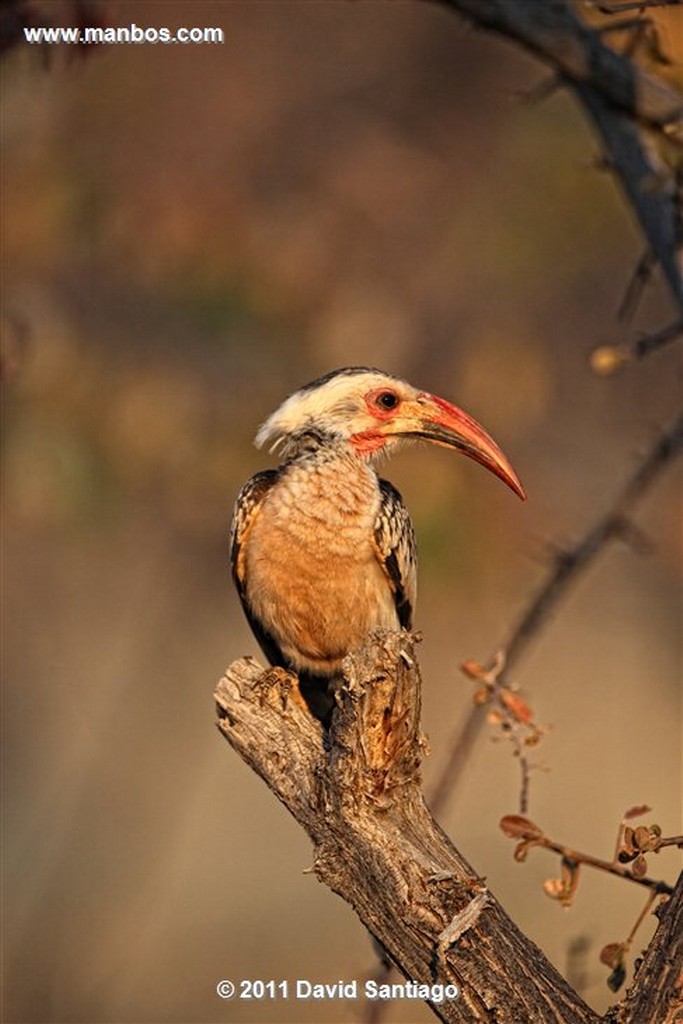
(325, 474)
(316, 448)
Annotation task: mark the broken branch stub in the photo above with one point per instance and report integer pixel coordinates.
(356, 791)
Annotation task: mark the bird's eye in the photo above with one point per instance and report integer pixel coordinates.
(387, 400)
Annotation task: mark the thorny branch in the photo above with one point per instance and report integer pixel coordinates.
(650, 187)
(568, 567)
(556, 35)
(636, 115)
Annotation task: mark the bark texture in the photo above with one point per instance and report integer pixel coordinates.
(356, 791)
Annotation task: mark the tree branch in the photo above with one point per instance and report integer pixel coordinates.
(622, 101)
(568, 568)
(356, 791)
(557, 36)
(647, 184)
(615, 525)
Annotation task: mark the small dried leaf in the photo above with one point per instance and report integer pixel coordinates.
(515, 826)
(637, 812)
(641, 837)
(517, 706)
(612, 954)
(563, 888)
(554, 887)
(628, 838)
(473, 669)
(646, 840)
(639, 867)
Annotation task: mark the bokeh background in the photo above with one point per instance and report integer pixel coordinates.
(189, 234)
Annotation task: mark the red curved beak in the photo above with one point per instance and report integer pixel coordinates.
(437, 420)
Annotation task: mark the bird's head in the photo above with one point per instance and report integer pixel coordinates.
(372, 411)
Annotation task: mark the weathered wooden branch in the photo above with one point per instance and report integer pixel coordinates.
(356, 791)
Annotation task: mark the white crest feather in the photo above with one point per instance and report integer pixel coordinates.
(329, 406)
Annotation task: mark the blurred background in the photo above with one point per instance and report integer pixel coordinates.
(190, 233)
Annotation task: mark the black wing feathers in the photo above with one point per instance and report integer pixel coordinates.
(246, 509)
(395, 541)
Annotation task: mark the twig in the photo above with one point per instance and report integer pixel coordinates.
(510, 712)
(634, 289)
(530, 835)
(609, 358)
(650, 342)
(568, 568)
(614, 953)
(632, 845)
(614, 526)
(671, 841)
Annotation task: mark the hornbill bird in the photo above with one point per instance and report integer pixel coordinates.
(322, 549)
